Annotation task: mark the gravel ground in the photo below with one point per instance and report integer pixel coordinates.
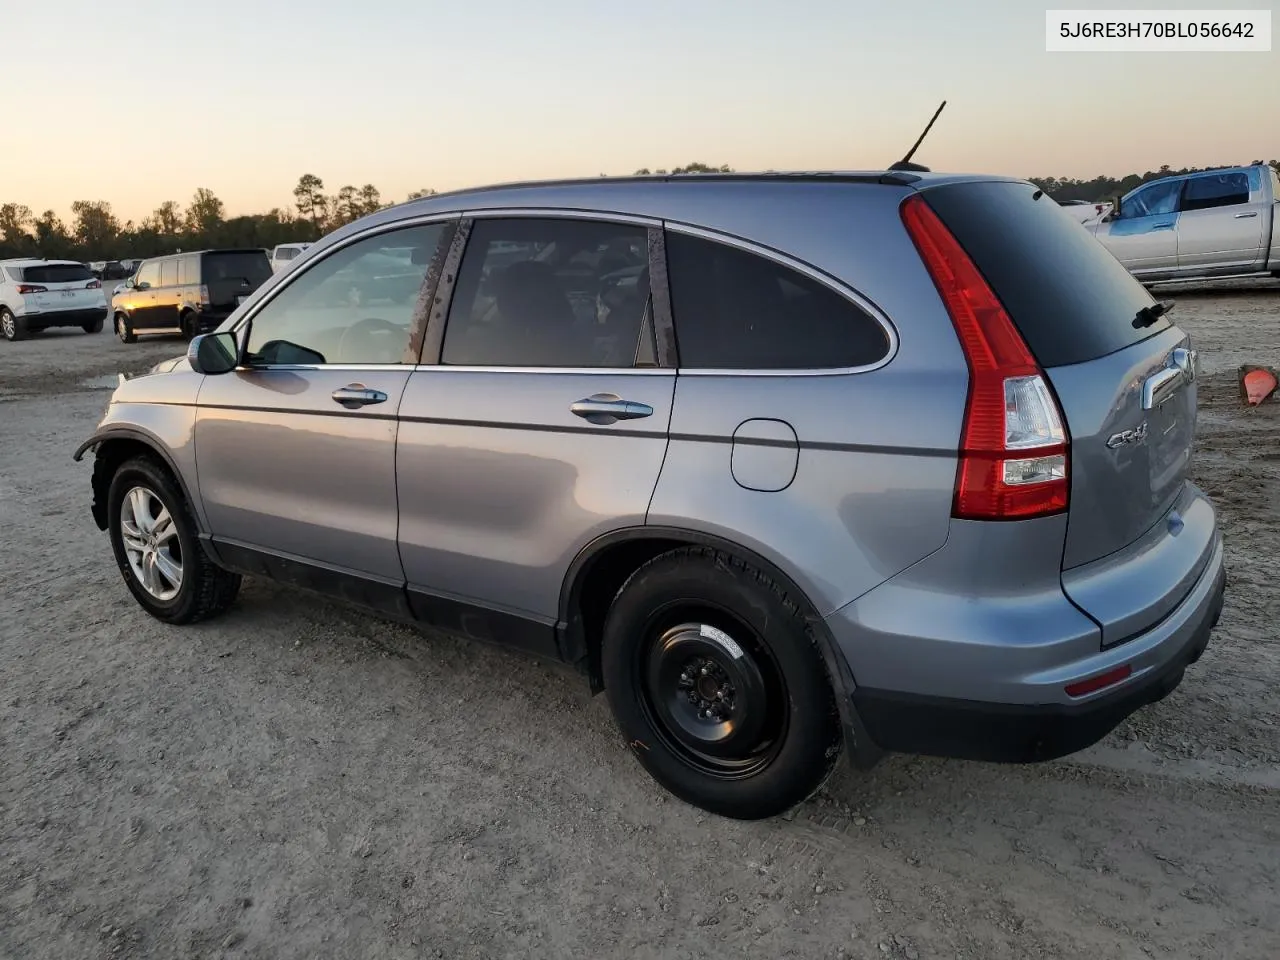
(298, 780)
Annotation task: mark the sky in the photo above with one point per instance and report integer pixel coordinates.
(149, 99)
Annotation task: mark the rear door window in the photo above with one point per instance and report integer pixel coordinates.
(551, 293)
(737, 310)
(1216, 190)
(57, 273)
(1070, 298)
(169, 273)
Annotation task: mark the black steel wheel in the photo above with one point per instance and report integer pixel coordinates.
(718, 686)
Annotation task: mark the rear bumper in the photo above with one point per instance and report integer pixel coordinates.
(65, 318)
(1022, 732)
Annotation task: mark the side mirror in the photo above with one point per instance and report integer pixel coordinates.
(142, 285)
(214, 353)
(1115, 207)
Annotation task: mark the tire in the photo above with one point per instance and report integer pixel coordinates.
(203, 589)
(124, 330)
(93, 326)
(697, 608)
(12, 328)
(190, 326)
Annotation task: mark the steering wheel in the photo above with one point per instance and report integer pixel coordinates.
(373, 330)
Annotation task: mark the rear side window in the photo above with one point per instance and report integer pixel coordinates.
(1070, 298)
(736, 310)
(1219, 190)
(249, 265)
(551, 293)
(57, 273)
(169, 273)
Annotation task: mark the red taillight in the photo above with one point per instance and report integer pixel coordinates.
(1013, 450)
(32, 288)
(93, 285)
(204, 296)
(1094, 684)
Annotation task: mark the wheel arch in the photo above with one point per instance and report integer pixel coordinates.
(112, 447)
(603, 565)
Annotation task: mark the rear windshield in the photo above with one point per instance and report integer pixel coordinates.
(250, 265)
(56, 273)
(1071, 299)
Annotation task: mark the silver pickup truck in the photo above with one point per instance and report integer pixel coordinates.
(1202, 226)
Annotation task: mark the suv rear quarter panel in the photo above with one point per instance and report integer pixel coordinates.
(876, 461)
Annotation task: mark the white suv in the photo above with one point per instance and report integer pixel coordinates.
(282, 254)
(38, 294)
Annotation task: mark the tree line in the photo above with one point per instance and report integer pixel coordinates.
(96, 233)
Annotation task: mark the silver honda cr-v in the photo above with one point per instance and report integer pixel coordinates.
(783, 463)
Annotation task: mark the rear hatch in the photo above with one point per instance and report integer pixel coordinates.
(61, 286)
(231, 275)
(1126, 388)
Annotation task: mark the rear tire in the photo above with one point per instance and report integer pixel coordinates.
(93, 326)
(718, 686)
(154, 537)
(124, 330)
(13, 328)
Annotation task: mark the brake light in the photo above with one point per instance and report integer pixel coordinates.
(32, 288)
(93, 285)
(1013, 450)
(204, 295)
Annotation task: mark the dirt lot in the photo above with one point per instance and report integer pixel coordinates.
(296, 780)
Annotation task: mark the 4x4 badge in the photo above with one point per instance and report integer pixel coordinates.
(1126, 437)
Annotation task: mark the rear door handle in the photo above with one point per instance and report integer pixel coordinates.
(356, 395)
(606, 408)
(1245, 216)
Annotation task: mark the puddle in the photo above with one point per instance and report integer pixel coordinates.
(106, 382)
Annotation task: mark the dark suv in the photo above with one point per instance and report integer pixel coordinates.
(187, 293)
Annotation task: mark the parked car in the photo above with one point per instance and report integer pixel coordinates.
(780, 462)
(39, 294)
(285, 253)
(1217, 225)
(186, 293)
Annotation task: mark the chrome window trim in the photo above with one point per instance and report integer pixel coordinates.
(618, 371)
(295, 273)
(354, 367)
(813, 273)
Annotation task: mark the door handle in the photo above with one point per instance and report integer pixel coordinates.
(606, 408)
(1245, 216)
(356, 395)
(1162, 385)
(1163, 226)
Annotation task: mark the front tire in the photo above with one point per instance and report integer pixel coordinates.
(153, 536)
(190, 326)
(718, 686)
(124, 330)
(11, 327)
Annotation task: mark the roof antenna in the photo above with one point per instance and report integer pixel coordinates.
(905, 163)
